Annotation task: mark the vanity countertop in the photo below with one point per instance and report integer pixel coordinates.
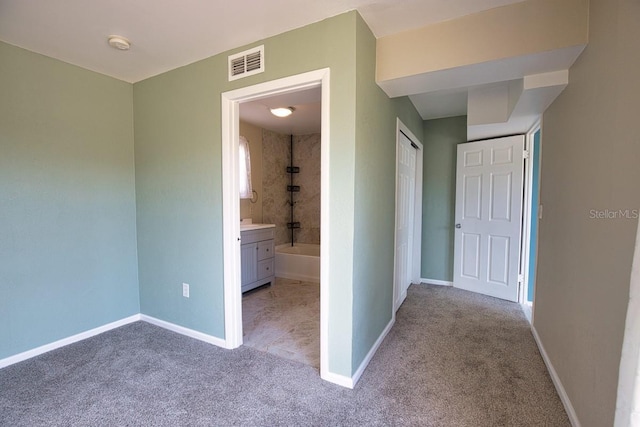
(246, 227)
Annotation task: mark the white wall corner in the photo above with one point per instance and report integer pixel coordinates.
(338, 379)
(515, 89)
(564, 397)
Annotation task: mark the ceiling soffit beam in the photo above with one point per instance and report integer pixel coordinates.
(534, 36)
(538, 92)
(493, 103)
(555, 78)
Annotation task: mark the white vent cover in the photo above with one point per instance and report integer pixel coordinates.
(246, 63)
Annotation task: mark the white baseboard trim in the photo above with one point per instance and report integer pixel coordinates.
(66, 341)
(109, 326)
(571, 413)
(337, 379)
(436, 282)
(401, 298)
(372, 352)
(350, 382)
(185, 331)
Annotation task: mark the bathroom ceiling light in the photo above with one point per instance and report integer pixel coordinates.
(282, 111)
(119, 42)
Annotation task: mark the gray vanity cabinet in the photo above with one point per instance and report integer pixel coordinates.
(258, 258)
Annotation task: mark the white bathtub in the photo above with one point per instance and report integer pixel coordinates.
(299, 262)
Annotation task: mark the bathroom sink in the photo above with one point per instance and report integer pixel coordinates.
(244, 227)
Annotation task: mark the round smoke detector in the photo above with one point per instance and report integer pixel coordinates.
(119, 42)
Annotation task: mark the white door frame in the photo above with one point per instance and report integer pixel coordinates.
(527, 219)
(231, 205)
(415, 236)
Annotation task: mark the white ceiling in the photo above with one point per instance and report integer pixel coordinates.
(169, 34)
(305, 120)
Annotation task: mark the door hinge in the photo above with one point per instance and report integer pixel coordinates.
(525, 154)
(520, 278)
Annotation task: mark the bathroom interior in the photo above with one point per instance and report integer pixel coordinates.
(280, 225)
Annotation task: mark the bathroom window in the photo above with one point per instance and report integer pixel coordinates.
(246, 192)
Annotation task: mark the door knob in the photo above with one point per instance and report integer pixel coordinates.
(458, 225)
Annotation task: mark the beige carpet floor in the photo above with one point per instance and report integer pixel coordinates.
(284, 319)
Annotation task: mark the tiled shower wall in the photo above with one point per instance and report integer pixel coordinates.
(275, 159)
(275, 204)
(306, 155)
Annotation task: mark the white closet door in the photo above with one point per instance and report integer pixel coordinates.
(405, 198)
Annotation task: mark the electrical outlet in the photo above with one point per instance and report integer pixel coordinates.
(185, 290)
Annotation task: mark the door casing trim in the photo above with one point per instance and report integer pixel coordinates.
(230, 116)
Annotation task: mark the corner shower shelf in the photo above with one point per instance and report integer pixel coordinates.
(292, 225)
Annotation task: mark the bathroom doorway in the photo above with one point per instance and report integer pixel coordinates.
(281, 282)
(231, 102)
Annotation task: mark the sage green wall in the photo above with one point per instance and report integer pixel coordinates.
(441, 136)
(67, 201)
(374, 196)
(590, 157)
(179, 179)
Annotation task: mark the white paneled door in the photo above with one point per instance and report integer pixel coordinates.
(488, 218)
(405, 199)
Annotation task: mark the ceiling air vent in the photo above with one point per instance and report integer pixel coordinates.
(246, 63)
